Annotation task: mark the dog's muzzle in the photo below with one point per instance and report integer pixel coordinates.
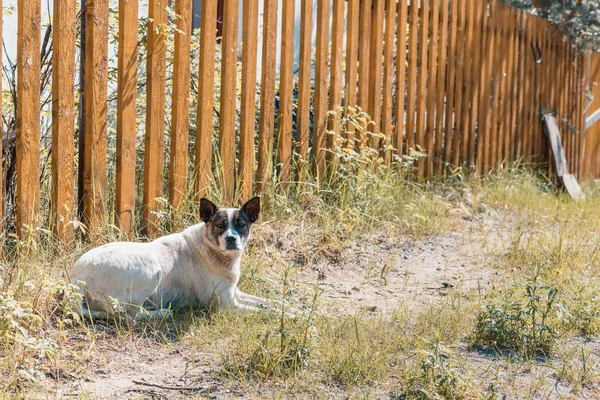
(232, 243)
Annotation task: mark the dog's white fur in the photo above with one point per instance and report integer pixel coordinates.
(184, 269)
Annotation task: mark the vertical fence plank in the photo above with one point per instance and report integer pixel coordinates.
(468, 60)
(375, 73)
(400, 78)
(432, 87)
(320, 128)
(441, 74)
(267, 95)
(451, 82)
(63, 117)
(506, 83)
(227, 112)
(351, 69)
(286, 89)
(28, 116)
(180, 120)
(96, 75)
(411, 93)
(248, 106)
(496, 97)
(476, 73)
(529, 63)
(519, 65)
(126, 116)
(514, 82)
(155, 116)
(303, 114)
(335, 86)
(363, 67)
(422, 82)
(485, 90)
(460, 73)
(388, 78)
(206, 96)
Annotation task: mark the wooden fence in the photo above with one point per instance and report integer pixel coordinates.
(465, 81)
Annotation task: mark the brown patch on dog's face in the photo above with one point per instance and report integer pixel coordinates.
(217, 225)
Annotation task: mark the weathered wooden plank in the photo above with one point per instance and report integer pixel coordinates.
(433, 83)
(126, 116)
(248, 106)
(63, 117)
(375, 74)
(388, 78)
(267, 96)
(411, 91)
(28, 117)
(460, 87)
(497, 79)
(227, 113)
(156, 72)
(507, 82)
(468, 61)
(351, 69)
(363, 67)
(400, 78)
(528, 78)
(521, 113)
(286, 89)
(451, 83)
(180, 119)
(95, 88)
(480, 8)
(440, 96)
(335, 84)
(422, 83)
(320, 99)
(303, 113)
(484, 92)
(206, 96)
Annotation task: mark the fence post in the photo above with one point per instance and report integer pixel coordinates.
(286, 89)
(375, 73)
(422, 82)
(180, 120)
(388, 78)
(411, 94)
(155, 117)
(321, 94)
(364, 57)
(28, 117)
(267, 96)
(400, 78)
(351, 70)
(335, 96)
(63, 117)
(206, 97)
(96, 75)
(126, 116)
(248, 106)
(433, 83)
(441, 74)
(303, 115)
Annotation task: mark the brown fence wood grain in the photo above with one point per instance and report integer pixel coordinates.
(364, 59)
(180, 119)
(267, 96)
(411, 91)
(441, 92)
(227, 112)
(126, 116)
(28, 117)
(388, 79)
(286, 89)
(63, 117)
(375, 74)
(156, 70)
(351, 71)
(303, 114)
(451, 82)
(468, 97)
(401, 34)
(248, 105)
(96, 74)
(459, 109)
(335, 84)
(206, 95)
(321, 95)
(432, 87)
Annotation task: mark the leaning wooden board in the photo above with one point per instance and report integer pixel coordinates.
(568, 180)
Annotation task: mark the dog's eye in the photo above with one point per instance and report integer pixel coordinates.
(221, 226)
(241, 225)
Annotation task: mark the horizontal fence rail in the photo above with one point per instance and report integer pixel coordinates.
(444, 83)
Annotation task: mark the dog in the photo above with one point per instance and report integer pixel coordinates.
(199, 267)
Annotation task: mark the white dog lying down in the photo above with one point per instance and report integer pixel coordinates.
(197, 267)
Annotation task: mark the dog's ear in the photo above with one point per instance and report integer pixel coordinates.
(207, 209)
(252, 208)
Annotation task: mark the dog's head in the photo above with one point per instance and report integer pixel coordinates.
(229, 228)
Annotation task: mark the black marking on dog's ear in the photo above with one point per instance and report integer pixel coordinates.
(207, 209)
(252, 208)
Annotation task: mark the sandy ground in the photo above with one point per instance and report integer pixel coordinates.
(377, 275)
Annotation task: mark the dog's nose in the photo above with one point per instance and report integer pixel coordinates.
(231, 240)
